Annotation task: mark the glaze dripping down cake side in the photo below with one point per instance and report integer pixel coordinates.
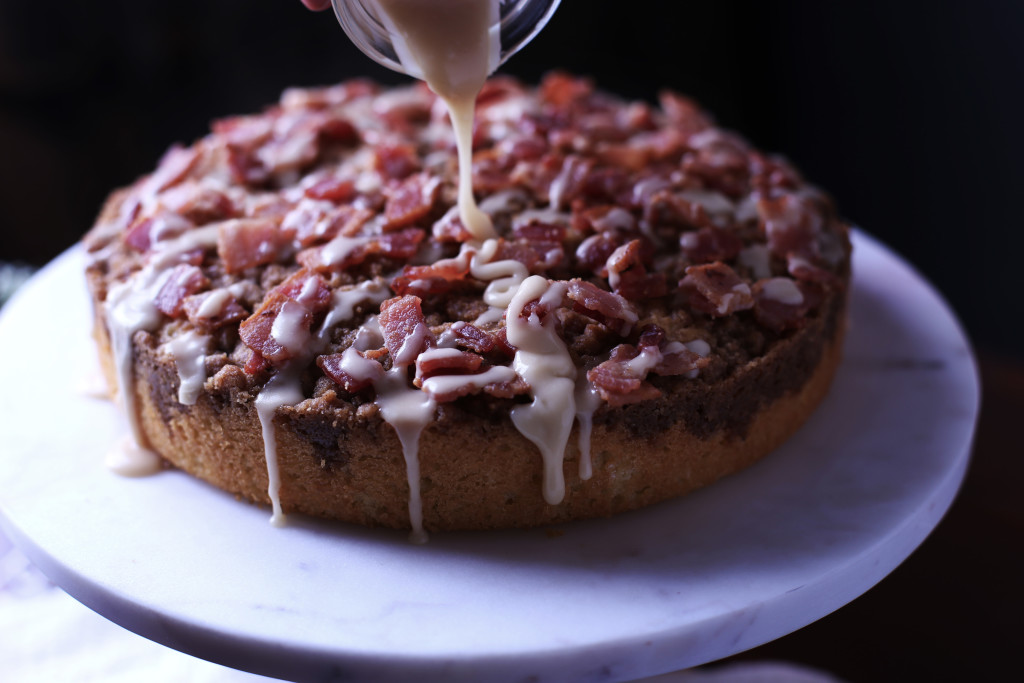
(292, 310)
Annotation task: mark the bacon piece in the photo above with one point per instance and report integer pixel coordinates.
(246, 242)
(313, 224)
(163, 225)
(716, 289)
(292, 151)
(683, 113)
(449, 228)
(516, 387)
(802, 268)
(628, 275)
(306, 290)
(537, 255)
(245, 132)
(770, 173)
(472, 337)
(198, 204)
(710, 244)
(561, 89)
(667, 208)
(593, 252)
(183, 280)
(256, 364)
(643, 149)
(619, 381)
(228, 311)
(406, 334)
(436, 278)
(791, 223)
(400, 246)
(396, 161)
(332, 189)
(462, 363)
(352, 377)
(412, 201)
(720, 160)
(603, 306)
(781, 304)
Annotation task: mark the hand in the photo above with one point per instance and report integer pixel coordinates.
(317, 5)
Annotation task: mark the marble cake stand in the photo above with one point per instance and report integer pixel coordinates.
(750, 559)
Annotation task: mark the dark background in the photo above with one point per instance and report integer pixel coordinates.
(909, 113)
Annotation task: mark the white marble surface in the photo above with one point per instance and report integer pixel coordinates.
(736, 565)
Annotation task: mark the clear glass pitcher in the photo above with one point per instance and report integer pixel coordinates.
(520, 21)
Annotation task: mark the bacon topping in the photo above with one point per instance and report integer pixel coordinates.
(791, 223)
(458, 363)
(332, 189)
(411, 202)
(247, 242)
(309, 294)
(351, 370)
(207, 318)
(628, 275)
(621, 378)
(182, 281)
(716, 289)
(406, 334)
(603, 306)
(400, 246)
(710, 244)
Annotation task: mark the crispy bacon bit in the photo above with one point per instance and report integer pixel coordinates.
(710, 244)
(406, 334)
(182, 281)
(772, 172)
(472, 337)
(163, 225)
(256, 364)
(667, 208)
(337, 129)
(781, 304)
(303, 288)
(198, 204)
(247, 242)
(228, 311)
(561, 89)
(603, 306)
(628, 275)
(460, 363)
(244, 132)
(352, 377)
(720, 160)
(411, 202)
(396, 161)
(449, 228)
(439, 277)
(537, 255)
(716, 289)
(400, 246)
(791, 223)
(332, 189)
(802, 268)
(313, 224)
(621, 381)
(683, 112)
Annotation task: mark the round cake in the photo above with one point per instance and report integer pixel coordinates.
(291, 309)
